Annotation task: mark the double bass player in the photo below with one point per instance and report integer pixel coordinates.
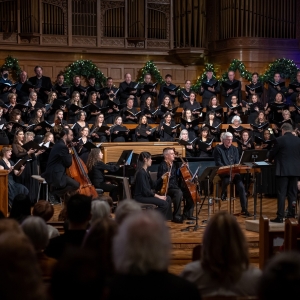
(59, 160)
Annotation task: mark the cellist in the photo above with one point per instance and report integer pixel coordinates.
(59, 160)
(174, 191)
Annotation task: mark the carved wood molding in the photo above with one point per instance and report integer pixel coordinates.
(82, 41)
(55, 40)
(159, 1)
(105, 5)
(8, 37)
(158, 44)
(113, 42)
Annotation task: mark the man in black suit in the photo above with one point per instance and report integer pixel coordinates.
(229, 92)
(42, 84)
(286, 153)
(141, 253)
(144, 94)
(131, 91)
(168, 83)
(60, 159)
(208, 91)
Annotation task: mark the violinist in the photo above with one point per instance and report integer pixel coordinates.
(59, 160)
(173, 190)
(144, 187)
(96, 168)
(189, 148)
(97, 135)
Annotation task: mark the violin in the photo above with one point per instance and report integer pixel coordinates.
(164, 189)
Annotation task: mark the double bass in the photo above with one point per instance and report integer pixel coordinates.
(187, 178)
(78, 171)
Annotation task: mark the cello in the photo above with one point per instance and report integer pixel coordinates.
(187, 178)
(78, 171)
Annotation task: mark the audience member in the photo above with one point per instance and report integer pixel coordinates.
(35, 228)
(224, 268)
(21, 208)
(126, 208)
(100, 210)
(78, 212)
(141, 252)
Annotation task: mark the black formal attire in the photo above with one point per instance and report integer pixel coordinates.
(80, 89)
(203, 153)
(254, 86)
(161, 114)
(82, 151)
(293, 95)
(236, 92)
(219, 115)
(295, 115)
(144, 192)
(22, 95)
(183, 94)
(253, 113)
(192, 131)
(272, 91)
(124, 95)
(163, 286)
(14, 188)
(190, 152)
(39, 133)
(111, 116)
(77, 128)
(121, 136)
(215, 133)
(152, 118)
(206, 94)
(142, 137)
(191, 106)
(97, 178)
(57, 245)
(162, 93)
(235, 112)
(92, 118)
(45, 83)
(55, 174)
(286, 153)
(165, 136)
(256, 132)
(224, 157)
(174, 191)
(102, 136)
(32, 107)
(56, 88)
(146, 94)
(72, 115)
(4, 95)
(3, 135)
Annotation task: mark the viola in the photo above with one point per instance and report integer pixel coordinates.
(78, 171)
(164, 189)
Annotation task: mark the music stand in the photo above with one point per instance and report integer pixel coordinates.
(255, 159)
(208, 175)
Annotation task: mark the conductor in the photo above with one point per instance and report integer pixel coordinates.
(286, 153)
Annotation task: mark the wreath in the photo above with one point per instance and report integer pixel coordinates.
(12, 64)
(151, 68)
(84, 68)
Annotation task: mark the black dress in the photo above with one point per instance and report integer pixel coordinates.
(14, 188)
(97, 178)
(121, 136)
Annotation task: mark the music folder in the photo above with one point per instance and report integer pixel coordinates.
(168, 129)
(206, 85)
(167, 90)
(275, 84)
(193, 123)
(166, 109)
(256, 90)
(230, 85)
(21, 162)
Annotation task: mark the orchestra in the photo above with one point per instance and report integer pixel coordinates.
(94, 115)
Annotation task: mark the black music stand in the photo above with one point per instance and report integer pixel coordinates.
(208, 175)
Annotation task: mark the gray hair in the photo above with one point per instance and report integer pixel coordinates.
(181, 132)
(236, 118)
(142, 244)
(226, 135)
(126, 208)
(100, 210)
(222, 136)
(36, 230)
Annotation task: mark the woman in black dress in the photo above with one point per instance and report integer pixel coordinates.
(149, 110)
(83, 152)
(39, 130)
(214, 105)
(213, 123)
(168, 105)
(260, 124)
(93, 110)
(189, 117)
(143, 131)
(254, 108)
(73, 114)
(118, 131)
(81, 123)
(6, 163)
(245, 143)
(96, 168)
(189, 146)
(164, 134)
(204, 143)
(33, 105)
(3, 136)
(14, 117)
(98, 135)
(144, 187)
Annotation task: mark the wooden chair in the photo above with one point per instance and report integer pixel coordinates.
(266, 240)
(291, 235)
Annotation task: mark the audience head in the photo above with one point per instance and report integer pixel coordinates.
(43, 209)
(286, 127)
(10, 225)
(281, 277)
(100, 210)
(21, 208)
(79, 209)
(142, 244)
(36, 230)
(20, 274)
(225, 256)
(126, 208)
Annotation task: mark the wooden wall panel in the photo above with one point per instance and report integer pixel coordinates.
(116, 73)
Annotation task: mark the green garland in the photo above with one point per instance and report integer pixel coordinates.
(286, 67)
(84, 68)
(151, 68)
(13, 65)
(240, 66)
